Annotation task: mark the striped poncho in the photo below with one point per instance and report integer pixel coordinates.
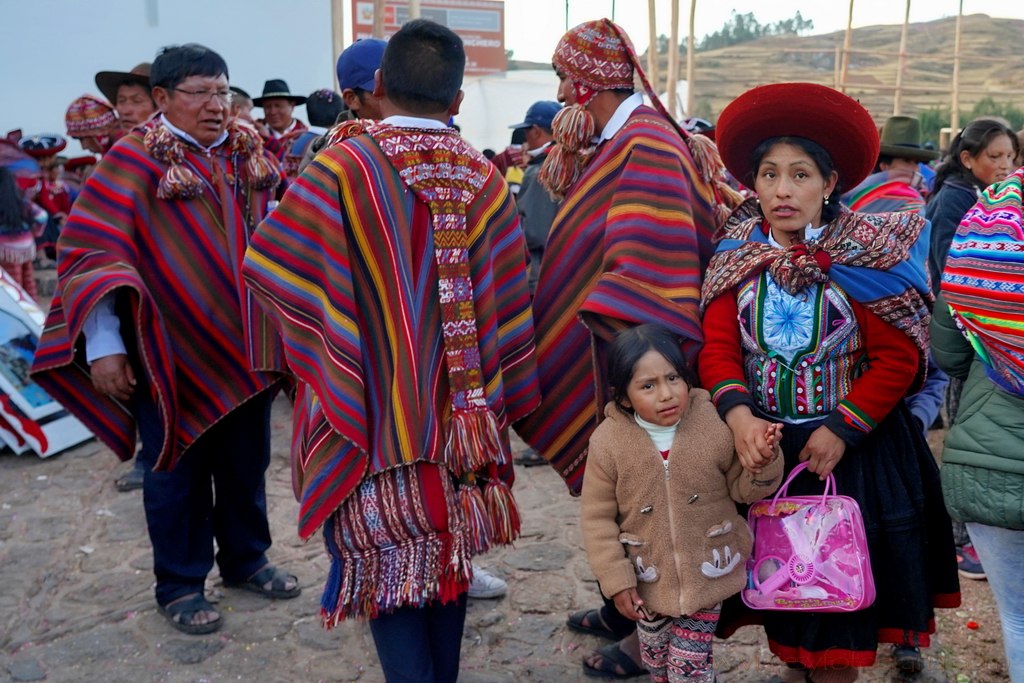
(175, 266)
(983, 281)
(346, 266)
(884, 192)
(628, 246)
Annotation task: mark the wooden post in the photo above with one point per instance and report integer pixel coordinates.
(414, 9)
(954, 111)
(835, 68)
(337, 34)
(897, 103)
(652, 51)
(378, 18)
(846, 49)
(673, 61)
(691, 52)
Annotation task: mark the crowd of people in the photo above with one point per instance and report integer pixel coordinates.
(673, 315)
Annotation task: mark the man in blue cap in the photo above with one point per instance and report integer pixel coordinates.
(356, 67)
(536, 207)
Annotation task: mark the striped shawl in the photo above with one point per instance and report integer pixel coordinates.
(628, 246)
(188, 321)
(983, 281)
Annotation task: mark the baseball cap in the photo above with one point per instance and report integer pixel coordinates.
(358, 62)
(539, 114)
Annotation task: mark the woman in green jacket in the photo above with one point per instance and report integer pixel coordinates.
(978, 335)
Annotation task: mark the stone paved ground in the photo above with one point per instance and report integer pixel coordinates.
(76, 595)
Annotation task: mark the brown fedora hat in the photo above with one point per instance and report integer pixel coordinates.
(109, 81)
(901, 139)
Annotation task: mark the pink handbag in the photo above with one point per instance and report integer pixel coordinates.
(810, 553)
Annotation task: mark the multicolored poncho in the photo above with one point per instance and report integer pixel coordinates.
(348, 266)
(885, 192)
(983, 282)
(628, 246)
(175, 266)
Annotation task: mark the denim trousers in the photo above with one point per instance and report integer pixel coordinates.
(421, 644)
(1001, 552)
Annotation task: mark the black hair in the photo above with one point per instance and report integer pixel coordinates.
(822, 160)
(12, 206)
(175, 63)
(488, 153)
(974, 139)
(629, 347)
(323, 107)
(423, 66)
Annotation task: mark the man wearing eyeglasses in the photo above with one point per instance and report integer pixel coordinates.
(151, 332)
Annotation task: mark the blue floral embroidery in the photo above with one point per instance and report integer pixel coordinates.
(788, 320)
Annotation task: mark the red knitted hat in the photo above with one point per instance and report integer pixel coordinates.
(818, 113)
(89, 115)
(596, 56)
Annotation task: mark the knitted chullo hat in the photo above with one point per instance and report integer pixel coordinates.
(88, 115)
(596, 56)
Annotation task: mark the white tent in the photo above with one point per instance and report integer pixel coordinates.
(495, 102)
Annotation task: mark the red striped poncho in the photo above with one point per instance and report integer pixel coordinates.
(628, 246)
(346, 267)
(188, 321)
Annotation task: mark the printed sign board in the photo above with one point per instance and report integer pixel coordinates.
(480, 24)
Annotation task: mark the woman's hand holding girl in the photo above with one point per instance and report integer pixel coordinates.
(751, 435)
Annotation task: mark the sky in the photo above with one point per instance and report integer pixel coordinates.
(51, 49)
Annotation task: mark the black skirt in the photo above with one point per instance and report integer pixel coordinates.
(895, 480)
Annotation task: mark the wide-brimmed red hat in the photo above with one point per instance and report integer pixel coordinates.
(44, 145)
(818, 113)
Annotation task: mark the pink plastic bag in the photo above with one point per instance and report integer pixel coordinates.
(810, 553)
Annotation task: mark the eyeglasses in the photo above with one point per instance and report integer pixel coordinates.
(204, 96)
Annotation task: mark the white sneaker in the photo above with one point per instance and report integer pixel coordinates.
(486, 585)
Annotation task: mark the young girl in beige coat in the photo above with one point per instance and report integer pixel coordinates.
(659, 520)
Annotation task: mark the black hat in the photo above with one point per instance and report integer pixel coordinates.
(238, 91)
(277, 88)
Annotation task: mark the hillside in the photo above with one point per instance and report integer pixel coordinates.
(991, 64)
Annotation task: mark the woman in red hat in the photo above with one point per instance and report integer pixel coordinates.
(816, 317)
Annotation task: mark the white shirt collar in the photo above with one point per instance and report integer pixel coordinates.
(534, 153)
(618, 119)
(319, 130)
(809, 234)
(412, 122)
(289, 129)
(188, 138)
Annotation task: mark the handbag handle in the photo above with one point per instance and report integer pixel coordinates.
(784, 489)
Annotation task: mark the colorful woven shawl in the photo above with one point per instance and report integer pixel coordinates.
(348, 266)
(885, 192)
(876, 258)
(983, 282)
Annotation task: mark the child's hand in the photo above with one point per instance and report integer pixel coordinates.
(628, 602)
(773, 435)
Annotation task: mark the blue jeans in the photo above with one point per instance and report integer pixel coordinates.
(1000, 551)
(216, 492)
(421, 644)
